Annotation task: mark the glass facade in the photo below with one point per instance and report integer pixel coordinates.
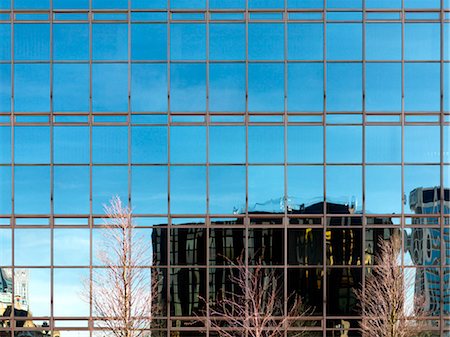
(298, 131)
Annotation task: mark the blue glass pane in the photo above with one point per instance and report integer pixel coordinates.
(265, 87)
(32, 41)
(226, 4)
(226, 189)
(31, 4)
(32, 87)
(305, 186)
(422, 41)
(305, 144)
(5, 41)
(344, 144)
(108, 4)
(27, 249)
(149, 144)
(266, 41)
(71, 189)
(344, 186)
(32, 144)
(305, 41)
(71, 41)
(107, 182)
(109, 144)
(149, 4)
(149, 189)
(5, 4)
(227, 144)
(188, 87)
(344, 3)
(383, 189)
(149, 87)
(266, 189)
(188, 41)
(227, 41)
(383, 144)
(110, 41)
(5, 145)
(5, 190)
(6, 247)
(422, 87)
(305, 87)
(344, 87)
(383, 41)
(184, 4)
(187, 144)
(110, 87)
(32, 190)
(422, 3)
(227, 87)
(149, 41)
(383, 87)
(266, 144)
(71, 87)
(5, 87)
(305, 3)
(422, 144)
(265, 4)
(383, 3)
(419, 178)
(344, 41)
(188, 189)
(70, 4)
(67, 289)
(71, 144)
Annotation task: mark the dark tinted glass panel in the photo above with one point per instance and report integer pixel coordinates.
(307, 283)
(265, 246)
(341, 283)
(305, 247)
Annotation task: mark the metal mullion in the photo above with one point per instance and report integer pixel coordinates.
(442, 175)
(402, 221)
(324, 220)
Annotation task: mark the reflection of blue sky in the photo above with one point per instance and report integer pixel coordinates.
(71, 247)
(5, 247)
(32, 247)
(68, 292)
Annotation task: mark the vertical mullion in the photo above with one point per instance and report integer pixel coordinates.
(324, 130)
(13, 211)
(52, 177)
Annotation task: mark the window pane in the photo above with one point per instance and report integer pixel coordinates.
(71, 144)
(5, 145)
(5, 41)
(108, 4)
(305, 186)
(266, 189)
(71, 87)
(422, 41)
(38, 280)
(109, 144)
(422, 144)
(71, 189)
(305, 41)
(32, 144)
(188, 87)
(305, 85)
(344, 87)
(226, 189)
(266, 144)
(227, 87)
(32, 87)
(197, 4)
(419, 179)
(422, 87)
(32, 190)
(305, 3)
(149, 144)
(32, 41)
(110, 87)
(227, 41)
(227, 144)
(422, 4)
(305, 144)
(71, 247)
(265, 4)
(383, 87)
(265, 41)
(233, 4)
(5, 190)
(149, 41)
(265, 87)
(187, 144)
(188, 41)
(383, 41)
(71, 41)
(344, 187)
(5, 247)
(149, 189)
(383, 144)
(383, 189)
(344, 144)
(384, 3)
(31, 4)
(71, 4)
(107, 182)
(149, 87)
(69, 285)
(344, 41)
(5, 87)
(31, 252)
(188, 189)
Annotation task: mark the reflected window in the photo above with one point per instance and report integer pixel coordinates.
(71, 144)
(266, 189)
(344, 188)
(305, 87)
(383, 144)
(149, 189)
(305, 188)
(187, 286)
(383, 189)
(31, 252)
(149, 144)
(70, 41)
(110, 87)
(227, 41)
(188, 144)
(422, 144)
(226, 87)
(265, 87)
(188, 189)
(37, 282)
(344, 247)
(344, 41)
(149, 41)
(266, 246)
(266, 144)
(383, 87)
(227, 144)
(421, 189)
(188, 87)
(5, 190)
(307, 283)
(341, 285)
(32, 41)
(305, 144)
(305, 41)
(71, 189)
(187, 41)
(5, 41)
(32, 87)
(225, 243)
(109, 144)
(70, 87)
(32, 189)
(344, 144)
(383, 41)
(305, 247)
(71, 247)
(344, 87)
(422, 41)
(266, 41)
(5, 87)
(188, 246)
(149, 87)
(68, 287)
(422, 87)
(107, 182)
(227, 189)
